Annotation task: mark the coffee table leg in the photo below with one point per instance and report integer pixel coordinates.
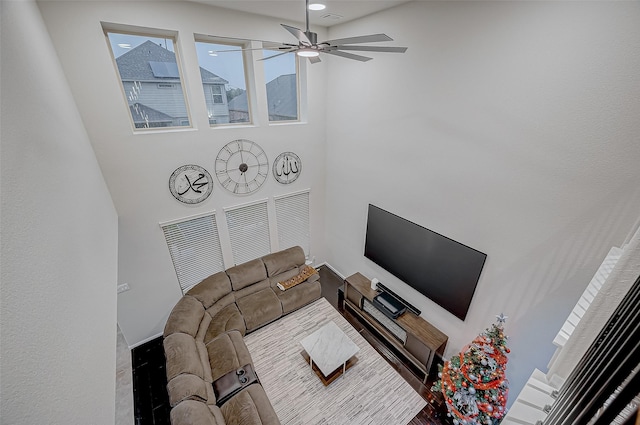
(311, 362)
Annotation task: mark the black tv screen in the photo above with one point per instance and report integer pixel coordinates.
(440, 268)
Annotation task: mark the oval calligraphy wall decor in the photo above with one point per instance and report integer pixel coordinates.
(242, 166)
(287, 167)
(190, 184)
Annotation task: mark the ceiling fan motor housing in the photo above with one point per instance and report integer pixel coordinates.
(312, 36)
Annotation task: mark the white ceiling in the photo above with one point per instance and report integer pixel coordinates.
(294, 10)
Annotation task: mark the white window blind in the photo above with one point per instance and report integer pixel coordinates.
(248, 231)
(292, 218)
(195, 248)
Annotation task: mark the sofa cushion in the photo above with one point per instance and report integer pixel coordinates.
(211, 289)
(284, 260)
(229, 318)
(185, 317)
(259, 308)
(187, 387)
(227, 352)
(250, 406)
(191, 412)
(182, 355)
(246, 274)
(301, 294)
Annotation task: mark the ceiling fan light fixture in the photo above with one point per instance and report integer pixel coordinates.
(317, 6)
(307, 53)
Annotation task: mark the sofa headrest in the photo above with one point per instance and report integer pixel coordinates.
(282, 261)
(185, 317)
(211, 289)
(246, 274)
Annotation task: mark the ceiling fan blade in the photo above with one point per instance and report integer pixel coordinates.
(314, 59)
(277, 46)
(275, 56)
(266, 45)
(347, 55)
(373, 49)
(298, 33)
(373, 38)
(242, 50)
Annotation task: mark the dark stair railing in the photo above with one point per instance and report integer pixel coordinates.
(606, 379)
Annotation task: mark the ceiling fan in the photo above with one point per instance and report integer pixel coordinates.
(308, 45)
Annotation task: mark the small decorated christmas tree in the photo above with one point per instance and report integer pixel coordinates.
(473, 382)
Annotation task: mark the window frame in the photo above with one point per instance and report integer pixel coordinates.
(298, 69)
(249, 76)
(112, 28)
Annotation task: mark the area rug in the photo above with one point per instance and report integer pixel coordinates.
(371, 392)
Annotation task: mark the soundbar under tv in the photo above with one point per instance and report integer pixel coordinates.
(443, 270)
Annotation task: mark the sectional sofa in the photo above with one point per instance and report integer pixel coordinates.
(203, 337)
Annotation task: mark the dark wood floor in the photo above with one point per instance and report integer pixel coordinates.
(151, 402)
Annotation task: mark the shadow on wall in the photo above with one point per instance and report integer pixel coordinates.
(554, 283)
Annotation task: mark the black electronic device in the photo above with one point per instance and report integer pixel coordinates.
(409, 306)
(443, 270)
(389, 305)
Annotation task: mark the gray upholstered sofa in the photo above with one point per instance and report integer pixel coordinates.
(203, 337)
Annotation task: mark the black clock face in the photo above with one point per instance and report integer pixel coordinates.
(287, 167)
(190, 184)
(242, 166)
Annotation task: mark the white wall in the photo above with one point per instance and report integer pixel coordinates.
(511, 127)
(137, 167)
(59, 242)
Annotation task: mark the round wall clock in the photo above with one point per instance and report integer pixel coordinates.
(242, 166)
(287, 167)
(190, 184)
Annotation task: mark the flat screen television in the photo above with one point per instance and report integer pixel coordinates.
(443, 270)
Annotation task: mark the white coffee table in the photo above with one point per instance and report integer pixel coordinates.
(329, 352)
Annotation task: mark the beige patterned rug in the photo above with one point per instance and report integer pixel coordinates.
(371, 392)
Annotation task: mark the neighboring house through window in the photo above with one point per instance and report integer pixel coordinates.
(150, 74)
(151, 80)
(227, 60)
(281, 95)
(282, 86)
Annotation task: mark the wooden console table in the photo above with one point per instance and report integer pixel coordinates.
(412, 336)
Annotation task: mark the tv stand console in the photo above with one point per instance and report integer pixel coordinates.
(415, 338)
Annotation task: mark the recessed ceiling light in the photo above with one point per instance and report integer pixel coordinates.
(213, 53)
(317, 6)
(124, 45)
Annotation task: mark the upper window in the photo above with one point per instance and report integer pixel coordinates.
(281, 75)
(150, 76)
(224, 82)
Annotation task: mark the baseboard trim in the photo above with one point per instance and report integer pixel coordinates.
(144, 341)
(325, 264)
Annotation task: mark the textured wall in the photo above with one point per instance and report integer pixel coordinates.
(59, 243)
